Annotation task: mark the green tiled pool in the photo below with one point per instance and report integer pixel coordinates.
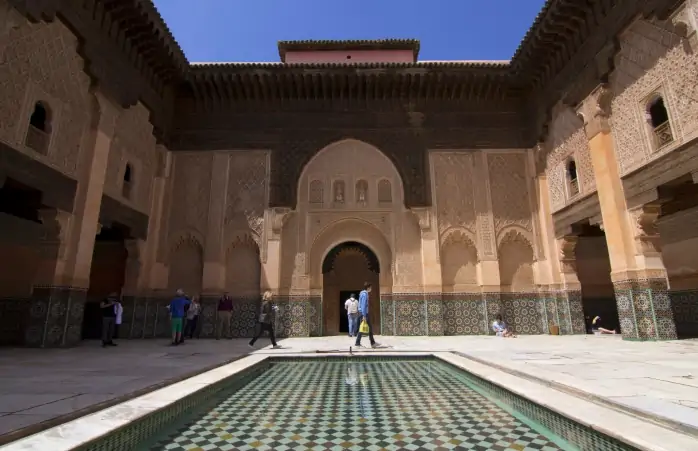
(360, 404)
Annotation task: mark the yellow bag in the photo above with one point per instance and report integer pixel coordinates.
(363, 328)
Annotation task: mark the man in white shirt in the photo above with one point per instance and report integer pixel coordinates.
(352, 307)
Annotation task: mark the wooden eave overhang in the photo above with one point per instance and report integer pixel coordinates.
(355, 44)
(456, 81)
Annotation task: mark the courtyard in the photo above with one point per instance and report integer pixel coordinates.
(655, 381)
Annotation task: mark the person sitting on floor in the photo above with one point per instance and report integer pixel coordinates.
(501, 329)
(598, 330)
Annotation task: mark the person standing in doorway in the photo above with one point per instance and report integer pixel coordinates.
(177, 306)
(364, 313)
(352, 307)
(266, 320)
(119, 312)
(108, 307)
(225, 312)
(192, 317)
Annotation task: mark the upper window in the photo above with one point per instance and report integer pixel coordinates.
(127, 186)
(572, 179)
(361, 192)
(316, 194)
(658, 119)
(385, 192)
(39, 130)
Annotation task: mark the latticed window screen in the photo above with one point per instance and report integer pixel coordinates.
(316, 192)
(385, 191)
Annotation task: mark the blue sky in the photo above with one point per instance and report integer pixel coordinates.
(248, 30)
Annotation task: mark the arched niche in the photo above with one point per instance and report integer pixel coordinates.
(243, 267)
(350, 230)
(186, 263)
(516, 258)
(459, 259)
(350, 163)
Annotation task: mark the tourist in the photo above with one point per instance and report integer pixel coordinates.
(177, 306)
(364, 314)
(119, 312)
(108, 307)
(192, 318)
(266, 320)
(225, 312)
(501, 329)
(598, 330)
(352, 307)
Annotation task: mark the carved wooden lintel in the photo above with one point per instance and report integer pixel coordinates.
(595, 111)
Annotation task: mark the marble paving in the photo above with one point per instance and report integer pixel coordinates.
(39, 387)
(47, 386)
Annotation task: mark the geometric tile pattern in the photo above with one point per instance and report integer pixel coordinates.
(684, 304)
(406, 405)
(464, 314)
(644, 309)
(55, 317)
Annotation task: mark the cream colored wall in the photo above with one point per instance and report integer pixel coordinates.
(41, 63)
(567, 141)
(654, 59)
(485, 220)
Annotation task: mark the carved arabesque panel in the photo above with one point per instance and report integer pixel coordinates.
(191, 189)
(556, 186)
(454, 190)
(509, 190)
(44, 54)
(133, 143)
(247, 190)
(651, 55)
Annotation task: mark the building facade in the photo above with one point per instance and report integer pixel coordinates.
(553, 187)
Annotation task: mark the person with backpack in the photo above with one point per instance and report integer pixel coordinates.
(352, 307)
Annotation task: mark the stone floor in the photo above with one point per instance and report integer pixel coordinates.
(50, 386)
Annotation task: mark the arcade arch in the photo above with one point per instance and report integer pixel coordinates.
(344, 253)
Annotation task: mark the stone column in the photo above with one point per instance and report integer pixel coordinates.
(156, 273)
(568, 312)
(275, 218)
(639, 280)
(431, 270)
(214, 254)
(61, 285)
(488, 264)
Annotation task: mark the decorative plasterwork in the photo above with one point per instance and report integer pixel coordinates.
(595, 110)
(646, 229)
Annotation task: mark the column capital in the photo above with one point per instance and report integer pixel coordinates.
(278, 217)
(595, 111)
(106, 113)
(423, 216)
(646, 231)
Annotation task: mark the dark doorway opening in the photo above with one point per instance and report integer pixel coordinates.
(106, 276)
(345, 268)
(343, 317)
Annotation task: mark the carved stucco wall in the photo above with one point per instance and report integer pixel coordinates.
(454, 199)
(189, 196)
(509, 191)
(653, 58)
(41, 64)
(133, 144)
(567, 140)
(246, 195)
(341, 182)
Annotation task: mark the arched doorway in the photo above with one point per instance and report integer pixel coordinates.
(345, 270)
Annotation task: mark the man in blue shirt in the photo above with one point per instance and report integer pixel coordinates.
(363, 312)
(176, 307)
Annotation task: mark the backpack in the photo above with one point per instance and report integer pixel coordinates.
(353, 307)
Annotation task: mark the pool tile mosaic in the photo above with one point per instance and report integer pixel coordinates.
(335, 405)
